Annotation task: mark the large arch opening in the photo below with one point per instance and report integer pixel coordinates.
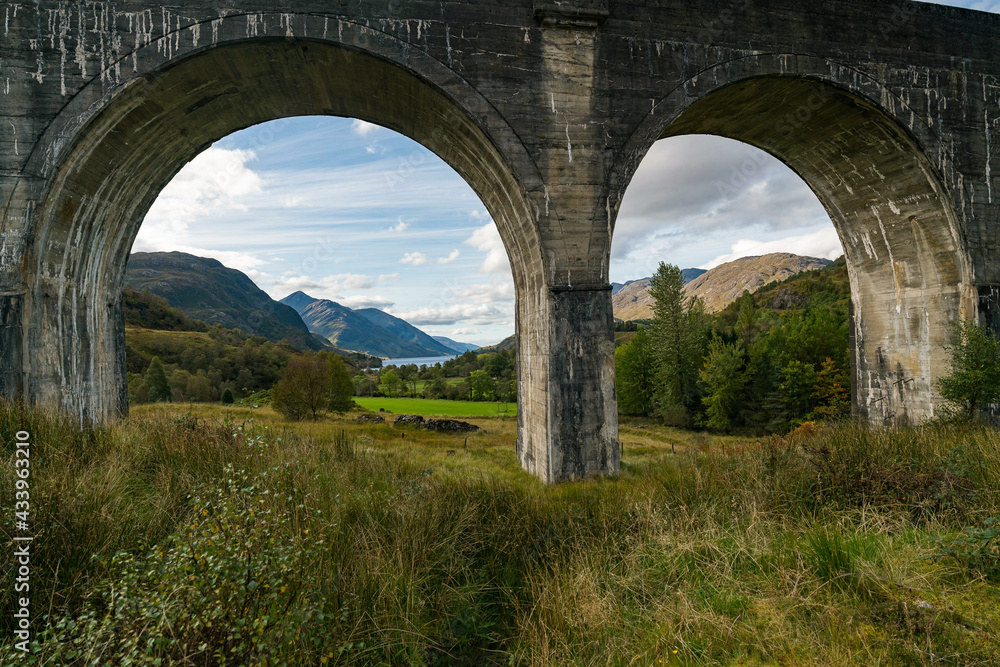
(379, 245)
(901, 238)
(121, 160)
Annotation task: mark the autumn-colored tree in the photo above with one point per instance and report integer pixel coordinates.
(832, 396)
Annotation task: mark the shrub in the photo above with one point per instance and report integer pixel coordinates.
(227, 588)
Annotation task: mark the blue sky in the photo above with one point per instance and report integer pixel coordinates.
(353, 212)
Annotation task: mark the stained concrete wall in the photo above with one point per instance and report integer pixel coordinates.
(887, 109)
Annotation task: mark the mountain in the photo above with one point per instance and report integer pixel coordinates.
(687, 275)
(366, 330)
(458, 348)
(718, 286)
(405, 331)
(204, 289)
(725, 283)
(633, 301)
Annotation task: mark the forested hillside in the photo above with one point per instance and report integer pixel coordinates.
(766, 362)
(195, 361)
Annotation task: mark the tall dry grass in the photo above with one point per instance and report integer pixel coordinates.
(813, 549)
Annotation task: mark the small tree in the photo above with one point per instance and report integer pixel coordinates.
(341, 385)
(304, 388)
(974, 381)
(157, 387)
(390, 384)
(227, 397)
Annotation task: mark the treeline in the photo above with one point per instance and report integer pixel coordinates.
(472, 376)
(769, 361)
(198, 362)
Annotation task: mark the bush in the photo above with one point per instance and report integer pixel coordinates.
(227, 588)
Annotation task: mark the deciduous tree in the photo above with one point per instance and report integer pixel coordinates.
(974, 381)
(304, 388)
(341, 385)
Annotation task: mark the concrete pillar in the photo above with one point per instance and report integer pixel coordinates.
(568, 415)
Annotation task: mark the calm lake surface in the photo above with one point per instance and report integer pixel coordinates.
(419, 361)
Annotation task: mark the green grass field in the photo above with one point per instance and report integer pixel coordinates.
(434, 407)
(208, 535)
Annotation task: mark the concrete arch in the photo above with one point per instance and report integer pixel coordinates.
(910, 275)
(131, 142)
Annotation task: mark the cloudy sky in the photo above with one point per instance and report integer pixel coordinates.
(356, 213)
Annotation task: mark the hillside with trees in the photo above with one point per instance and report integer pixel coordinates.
(171, 357)
(203, 289)
(766, 362)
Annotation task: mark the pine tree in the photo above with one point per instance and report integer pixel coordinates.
(676, 333)
(157, 387)
(725, 377)
(634, 375)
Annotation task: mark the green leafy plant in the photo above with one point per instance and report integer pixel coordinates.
(226, 588)
(976, 549)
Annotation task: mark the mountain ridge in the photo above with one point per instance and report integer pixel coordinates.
(204, 289)
(366, 330)
(717, 287)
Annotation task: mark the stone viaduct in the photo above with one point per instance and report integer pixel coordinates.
(888, 109)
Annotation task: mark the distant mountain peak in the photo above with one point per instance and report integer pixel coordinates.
(367, 330)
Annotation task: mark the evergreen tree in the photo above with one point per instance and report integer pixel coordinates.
(634, 375)
(227, 397)
(676, 334)
(341, 385)
(157, 387)
(725, 378)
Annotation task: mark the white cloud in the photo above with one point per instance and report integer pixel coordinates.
(362, 128)
(452, 256)
(487, 239)
(415, 258)
(455, 313)
(501, 290)
(825, 243)
(365, 302)
(355, 281)
(388, 277)
(401, 227)
(215, 182)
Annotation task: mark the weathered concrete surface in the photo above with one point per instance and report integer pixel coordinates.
(887, 108)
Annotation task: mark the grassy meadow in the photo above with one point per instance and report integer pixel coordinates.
(437, 407)
(202, 535)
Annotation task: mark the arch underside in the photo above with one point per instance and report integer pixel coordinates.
(121, 160)
(899, 232)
